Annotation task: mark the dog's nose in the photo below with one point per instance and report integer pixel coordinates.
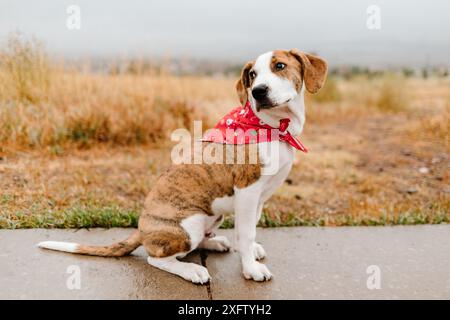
(260, 92)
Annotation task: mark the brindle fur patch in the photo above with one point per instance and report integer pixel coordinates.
(115, 250)
(187, 189)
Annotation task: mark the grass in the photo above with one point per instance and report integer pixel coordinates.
(53, 106)
(392, 96)
(26, 70)
(425, 215)
(434, 128)
(82, 149)
(75, 217)
(113, 216)
(330, 91)
(49, 105)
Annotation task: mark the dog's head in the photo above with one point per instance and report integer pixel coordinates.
(277, 77)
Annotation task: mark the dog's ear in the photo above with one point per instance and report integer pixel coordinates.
(314, 70)
(243, 83)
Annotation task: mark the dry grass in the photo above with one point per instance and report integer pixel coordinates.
(47, 106)
(392, 94)
(433, 128)
(86, 109)
(26, 71)
(82, 149)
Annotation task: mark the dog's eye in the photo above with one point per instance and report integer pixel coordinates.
(280, 66)
(252, 74)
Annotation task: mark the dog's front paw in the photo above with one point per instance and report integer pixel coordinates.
(258, 251)
(196, 273)
(256, 271)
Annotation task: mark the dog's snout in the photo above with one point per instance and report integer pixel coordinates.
(260, 92)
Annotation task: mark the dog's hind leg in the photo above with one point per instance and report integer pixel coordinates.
(167, 243)
(189, 271)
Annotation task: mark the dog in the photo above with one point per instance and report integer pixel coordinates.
(189, 201)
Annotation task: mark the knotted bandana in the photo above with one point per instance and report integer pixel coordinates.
(242, 126)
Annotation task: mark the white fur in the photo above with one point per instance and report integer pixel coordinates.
(59, 246)
(196, 227)
(258, 251)
(248, 206)
(277, 159)
(281, 90)
(223, 205)
(217, 243)
(247, 203)
(189, 271)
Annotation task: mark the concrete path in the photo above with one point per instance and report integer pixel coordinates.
(307, 263)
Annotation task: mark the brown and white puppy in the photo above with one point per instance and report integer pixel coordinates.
(189, 201)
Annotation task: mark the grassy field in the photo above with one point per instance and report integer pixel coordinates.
(82, 149)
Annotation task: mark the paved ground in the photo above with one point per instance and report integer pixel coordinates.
(323, 263)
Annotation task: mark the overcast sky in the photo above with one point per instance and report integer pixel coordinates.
(413, 32)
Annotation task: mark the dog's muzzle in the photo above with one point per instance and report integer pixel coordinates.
(260, 92)
(261, 95)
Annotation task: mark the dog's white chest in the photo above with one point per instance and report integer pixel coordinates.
(224, 205)
(279, 165)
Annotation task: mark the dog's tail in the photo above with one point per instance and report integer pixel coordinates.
(118, 249)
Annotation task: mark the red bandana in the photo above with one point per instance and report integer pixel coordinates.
(242, 126)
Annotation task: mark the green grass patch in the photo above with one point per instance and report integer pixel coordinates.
(113, 216)
(413, 217)
(76, 217)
